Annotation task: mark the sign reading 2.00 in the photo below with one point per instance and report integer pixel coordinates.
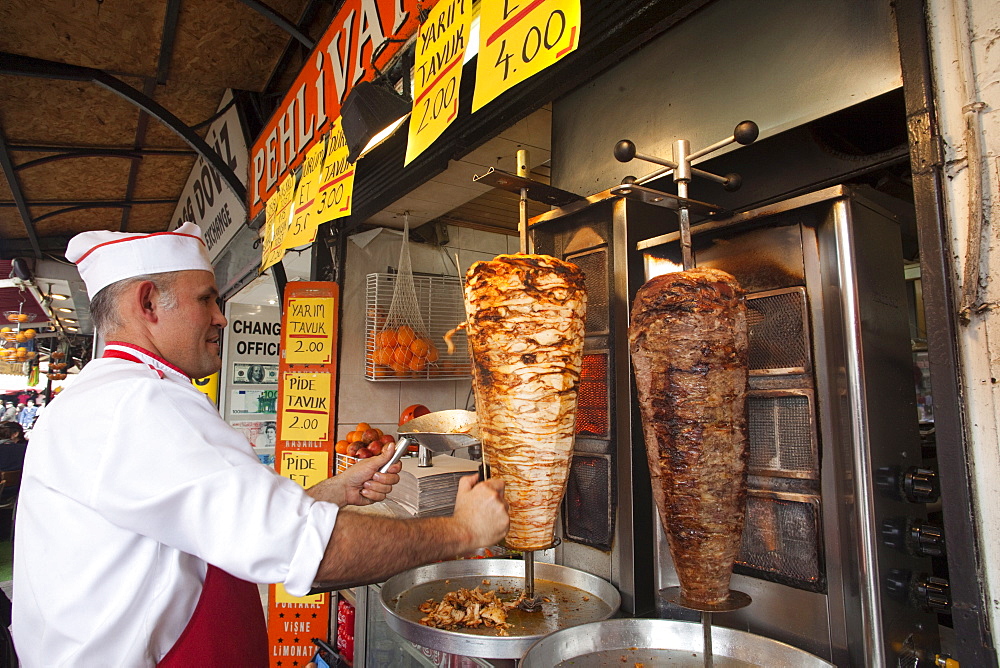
(309, 333)
(520, 38)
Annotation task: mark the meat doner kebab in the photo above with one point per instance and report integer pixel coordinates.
(688, 339)
(526, 328)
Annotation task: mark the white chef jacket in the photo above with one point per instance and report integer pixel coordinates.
(132, 484)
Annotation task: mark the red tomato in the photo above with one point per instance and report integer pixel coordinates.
(414, 411)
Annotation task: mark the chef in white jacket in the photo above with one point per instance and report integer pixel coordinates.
(144, 520)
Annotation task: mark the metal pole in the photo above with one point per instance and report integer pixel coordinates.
(682, 176)
(522, 225)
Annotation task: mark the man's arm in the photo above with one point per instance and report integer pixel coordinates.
(365, 548)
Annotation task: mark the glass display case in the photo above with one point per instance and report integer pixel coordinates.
(378, 646)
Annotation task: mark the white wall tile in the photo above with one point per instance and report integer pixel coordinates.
(363, 400)
(438, 395)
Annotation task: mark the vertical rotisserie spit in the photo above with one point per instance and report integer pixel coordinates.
(688, 340)
(526, 328)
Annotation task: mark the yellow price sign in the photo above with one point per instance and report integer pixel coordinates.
(336, 184)
(305, 407)
(209, 385)
(518, 39)
(306, 467)
(303, 226)
(309, 332)
(282, 596)
(437, 73)
(276, 221)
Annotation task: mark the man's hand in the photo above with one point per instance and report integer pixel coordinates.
(361, 484)
(482, 510)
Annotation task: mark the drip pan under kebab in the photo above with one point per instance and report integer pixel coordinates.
(574, 598)
(662, 642)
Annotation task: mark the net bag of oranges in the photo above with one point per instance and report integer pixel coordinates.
(401, 347)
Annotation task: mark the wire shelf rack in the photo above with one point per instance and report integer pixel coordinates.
(442, 308)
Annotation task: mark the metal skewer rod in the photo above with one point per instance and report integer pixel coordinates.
(522, 225)
(682, 176)
(706, 627)
(529, 576)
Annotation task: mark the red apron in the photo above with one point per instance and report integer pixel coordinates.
(227, 629)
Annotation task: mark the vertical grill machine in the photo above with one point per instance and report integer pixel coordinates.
(837, 549)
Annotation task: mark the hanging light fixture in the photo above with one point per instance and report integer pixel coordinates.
(371, 113)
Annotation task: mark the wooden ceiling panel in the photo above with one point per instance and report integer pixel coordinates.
(74, 222)
(76, 179)
(191, 104)
(150, 218)
(227, 44)
(11, 226)
(5, 194)
(162, 177)
(46, 111)
(116, 36)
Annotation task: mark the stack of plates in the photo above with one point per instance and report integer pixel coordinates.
(430, 491)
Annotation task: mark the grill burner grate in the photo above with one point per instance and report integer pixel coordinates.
(588, 504)
(781, 540)
(594, 266)
(779, 339)
(592, 396)
(782, 438)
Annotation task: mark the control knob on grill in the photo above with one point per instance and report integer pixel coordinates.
(926, 540)
(915, 485)
(921, 485)
(932, 594)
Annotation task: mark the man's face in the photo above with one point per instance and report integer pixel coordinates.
(187, 335)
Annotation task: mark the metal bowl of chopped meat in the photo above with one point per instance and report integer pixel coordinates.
(568, 598)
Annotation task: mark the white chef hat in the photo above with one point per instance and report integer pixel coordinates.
(104, 257)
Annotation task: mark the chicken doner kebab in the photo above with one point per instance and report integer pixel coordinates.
(688, 340)
(525, 322)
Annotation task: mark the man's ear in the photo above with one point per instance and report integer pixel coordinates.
(146, 300)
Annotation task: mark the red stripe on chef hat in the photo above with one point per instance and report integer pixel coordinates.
(103, 257)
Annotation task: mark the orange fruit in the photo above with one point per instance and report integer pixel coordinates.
(363, 427)
(22, 317)
(353, 436)
(405, 335)
(341, 447)
(30, 333)
(419, 347)
(4, 330)
(432, 353)
(402, 355)
(400, 369)
(12, 317)
(418, 364)
(385, 339)
(383, 356)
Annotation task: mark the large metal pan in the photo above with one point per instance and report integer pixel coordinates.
(574, 597)
(444, 431)
(661, 642)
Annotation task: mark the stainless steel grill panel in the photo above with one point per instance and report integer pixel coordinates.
(782, 434)
(779, 332)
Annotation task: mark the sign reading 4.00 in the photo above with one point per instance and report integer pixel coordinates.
(520, 38)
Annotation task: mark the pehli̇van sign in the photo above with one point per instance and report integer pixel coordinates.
(342, 58)
(206, 200)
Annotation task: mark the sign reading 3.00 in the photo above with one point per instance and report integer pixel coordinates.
(520, 38)
(309, 334)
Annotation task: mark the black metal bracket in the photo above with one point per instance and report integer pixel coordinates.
(536, 190)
